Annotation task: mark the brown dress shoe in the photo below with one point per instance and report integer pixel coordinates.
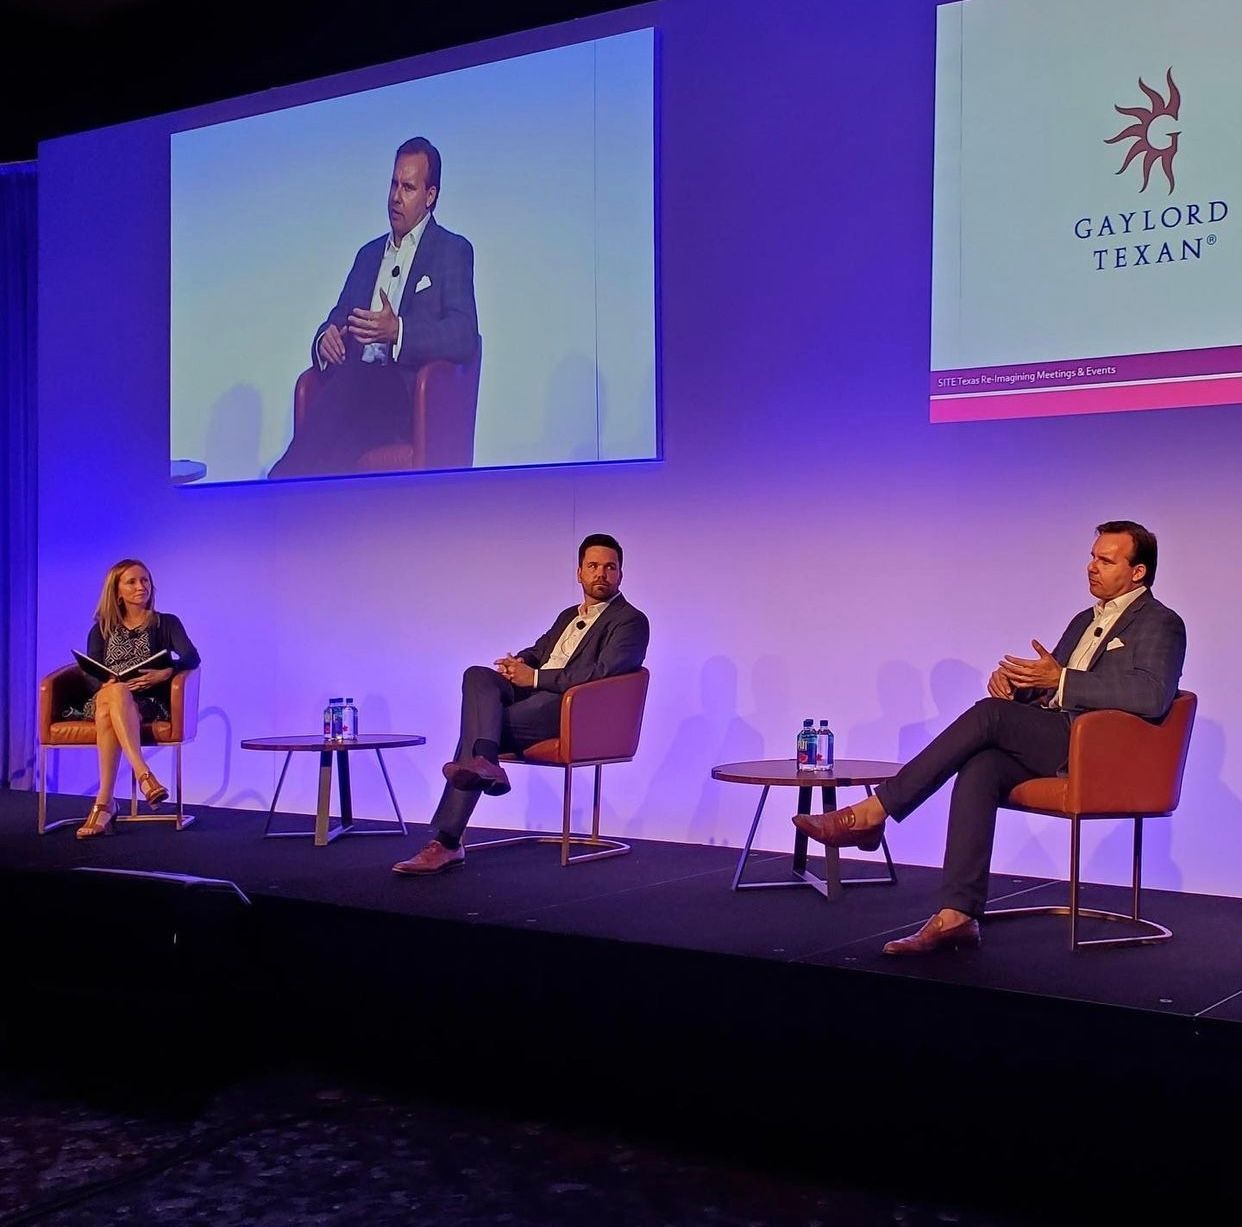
(935, 935)
(839, 829)
(433, 858)
(478, 774)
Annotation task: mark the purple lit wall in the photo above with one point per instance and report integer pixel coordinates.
(809, 546)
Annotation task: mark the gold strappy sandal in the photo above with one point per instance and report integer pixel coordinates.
(152, 790)
(98, 822)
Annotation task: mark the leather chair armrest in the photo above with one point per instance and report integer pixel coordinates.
(1122, 764)
(183, 705)
(603, 719)
(445, 403)
(304, 390)
(57, 691)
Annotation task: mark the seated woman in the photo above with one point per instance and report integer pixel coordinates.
(127, 631)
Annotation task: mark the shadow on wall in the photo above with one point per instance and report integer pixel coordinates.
(642, 437)
(416, 780)
(232, 441)
(955, 686)
(217, 741)
(214, 744)
(899, 689)
(901, 731)
(715, 734)
(573, 385)
(1208, 805)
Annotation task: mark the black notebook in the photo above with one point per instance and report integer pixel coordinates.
(89, 665)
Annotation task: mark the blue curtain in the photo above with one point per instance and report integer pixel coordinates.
(18, 279)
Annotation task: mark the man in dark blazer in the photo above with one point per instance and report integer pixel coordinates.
(371, 349)
(518, 702)
(1125, 652)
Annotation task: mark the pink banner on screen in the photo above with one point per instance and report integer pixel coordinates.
(1173, 394)
(1089, 385)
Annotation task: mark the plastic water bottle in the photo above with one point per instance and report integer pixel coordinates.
(808, 746)
(332, 715)
(824, 755)
(349, 721)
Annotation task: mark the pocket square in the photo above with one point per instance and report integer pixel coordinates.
(1114, 643)
(424, 283)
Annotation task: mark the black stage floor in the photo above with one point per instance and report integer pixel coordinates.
(642, 988)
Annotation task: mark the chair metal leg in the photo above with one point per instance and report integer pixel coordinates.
(599, 780)
(566, 814)
(183, 819)
(43, 825)
(1075, 851)
(1153, 931)
(179, 818)
(602, 846)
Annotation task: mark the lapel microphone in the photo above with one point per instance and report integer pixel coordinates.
(1099, 630)
(396, 271)
(581, 624)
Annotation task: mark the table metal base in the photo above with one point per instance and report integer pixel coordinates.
(831, 885)
(325, 831)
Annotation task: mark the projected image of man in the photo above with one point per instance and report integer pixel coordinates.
(408, 300)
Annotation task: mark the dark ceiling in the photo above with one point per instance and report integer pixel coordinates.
(70, 65)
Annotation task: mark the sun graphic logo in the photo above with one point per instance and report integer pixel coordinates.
(1152, 132)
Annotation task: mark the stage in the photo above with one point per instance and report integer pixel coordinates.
(642, 988)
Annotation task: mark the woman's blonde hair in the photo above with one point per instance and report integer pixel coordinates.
(110, 612)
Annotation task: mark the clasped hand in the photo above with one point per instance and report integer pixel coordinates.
(516, 670)
(1041, 673)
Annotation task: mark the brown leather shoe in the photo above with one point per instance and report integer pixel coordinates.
(434, 857)
(935, 936)
(838, 829)
(478, 774)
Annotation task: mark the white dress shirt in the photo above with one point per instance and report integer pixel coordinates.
(572, 635)
(1103, 616)
(393, 270)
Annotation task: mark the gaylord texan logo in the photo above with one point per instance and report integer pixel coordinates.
(1175, 232)
(1151, 132)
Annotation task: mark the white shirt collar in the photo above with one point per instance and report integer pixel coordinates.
(1118, 605)
(594, 611)
(410, 241)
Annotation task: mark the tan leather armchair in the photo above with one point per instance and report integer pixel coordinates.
(444, 399)
(600, 724)
(67, 687)
(1120, 766)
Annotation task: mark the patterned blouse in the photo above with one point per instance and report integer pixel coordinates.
(125, 649)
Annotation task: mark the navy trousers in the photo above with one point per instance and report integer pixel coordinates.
(361, 405)
(991, 748)
(493, 710)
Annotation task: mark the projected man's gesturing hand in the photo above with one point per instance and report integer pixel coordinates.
(367, 327)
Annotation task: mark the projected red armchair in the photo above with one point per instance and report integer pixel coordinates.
(1120, 766)
(600, 723)
(67, 687)
(444, 399)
